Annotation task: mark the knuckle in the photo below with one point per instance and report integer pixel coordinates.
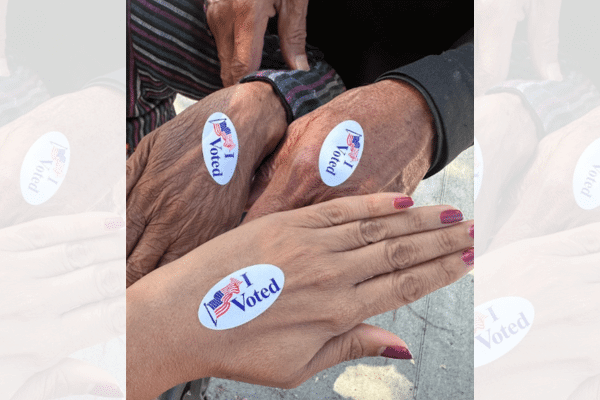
(409, 287)
(110, 280)
(352, 348)
(239, 68)
(78, 255)
(334, 214)
(371, 230)
(416, 222)
(445, 240)
(400, 253)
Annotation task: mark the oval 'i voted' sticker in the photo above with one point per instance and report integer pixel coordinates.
(586, 178)
(220, 147)
(341, 152)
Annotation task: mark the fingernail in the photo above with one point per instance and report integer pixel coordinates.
(113, 224)
(553, 72)
(472, 231)
(451, 216)
(106, 390)
(403, 202)
(468, 257)
(397, 353)
(302, 63)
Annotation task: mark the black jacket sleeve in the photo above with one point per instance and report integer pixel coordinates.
(446, 82)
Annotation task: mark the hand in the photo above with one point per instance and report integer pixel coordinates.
(544, 202)
(61, 290)
(558, 274)
(495, 24)
(173, 204)
(92, 122)
(344, 261)
(507, 136)
(398, 129)
(239, 28)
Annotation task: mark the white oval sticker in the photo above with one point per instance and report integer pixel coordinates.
(586, 178)
(477, 168)
(241, 296)
(341, 152)
(220, 147)
(500, 325)
(44, 167)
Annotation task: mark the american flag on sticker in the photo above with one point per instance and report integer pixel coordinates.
(59, 158)
(479, 321)
(354, 143)
(223, 131)
(220, 303)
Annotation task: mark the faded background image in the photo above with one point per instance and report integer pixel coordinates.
(537, 177)
(62, 200)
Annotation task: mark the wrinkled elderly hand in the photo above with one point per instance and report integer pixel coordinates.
(507, 137)
(344, 261)
(398, 131)
(558, 274)
(239, 27)
(61, 290)
(173, 204)
(495, 24)
(544, 202)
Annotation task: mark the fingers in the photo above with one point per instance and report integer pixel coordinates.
(292, 33)
(72, 256)
(406, 251)
(399, 288)
(239, 28)
(363, 232)
(543, 37)
(146, 255)
(495, 24)
(361, 341)
(221, 19)
(137, 163)
(51, 231)
(348, 209)
(67, 378)
(93, 323)
(249, 32)
(86, 286)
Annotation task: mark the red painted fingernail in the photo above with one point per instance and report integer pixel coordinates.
(397, 353)
(451, 216)
(403, 202)
(468, 256)
(113, 224)
(472, 231)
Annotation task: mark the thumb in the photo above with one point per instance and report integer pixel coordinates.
(69, 377)
(543, 38)
(261, 180)
(292, 33)
(361, 341)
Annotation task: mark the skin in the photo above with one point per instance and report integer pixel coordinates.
(66, 294)
(507, 136)
(550, 179)
(92, 122)
(495, 24)
(239, 28)
(344, 261)
(399, 136)
(558, 274)
(167, 216)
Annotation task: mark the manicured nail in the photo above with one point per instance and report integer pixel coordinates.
(113, 224)
(472, 231)
(468, 257)
(106, 390)
(397, 353)
(451, 216)
(403, 202)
